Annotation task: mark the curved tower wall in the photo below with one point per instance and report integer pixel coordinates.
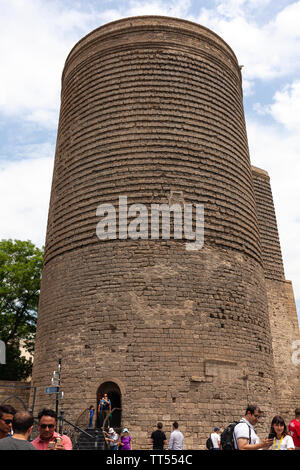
(152, 109)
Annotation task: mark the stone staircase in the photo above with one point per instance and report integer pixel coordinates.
(95, 442)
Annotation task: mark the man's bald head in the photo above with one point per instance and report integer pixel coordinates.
(22, 422)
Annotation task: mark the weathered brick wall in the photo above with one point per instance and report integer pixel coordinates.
(285, 330)
(269, 237)
(16, 394)
(152, 106)
(281, 302)
(184, 335)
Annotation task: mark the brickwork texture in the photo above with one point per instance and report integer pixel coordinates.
(151, 108)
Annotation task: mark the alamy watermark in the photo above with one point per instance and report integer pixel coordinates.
(2, 352)
(146, 224)
(296, 353)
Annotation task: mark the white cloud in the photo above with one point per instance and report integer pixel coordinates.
(286, 106)
(36, 37)
(24, 195)
(287, 21)
(177, 8)
(231, 8)
(248, 88)
(276, 148)
(254, 4)
(234, 8)
(267, 51)
(41, 34)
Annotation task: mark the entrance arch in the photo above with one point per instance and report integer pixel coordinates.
(14, 399)
(114, 394)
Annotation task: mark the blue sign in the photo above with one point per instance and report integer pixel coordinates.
(52, 390)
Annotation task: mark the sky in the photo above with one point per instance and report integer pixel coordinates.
(35, 39)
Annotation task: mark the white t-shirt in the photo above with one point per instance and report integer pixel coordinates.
(176, 440)
(215, 437)
(242, 430)
(286, 443)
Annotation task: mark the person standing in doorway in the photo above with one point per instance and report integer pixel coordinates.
(104, 410)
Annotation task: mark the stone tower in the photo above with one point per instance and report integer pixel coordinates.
(152, 110)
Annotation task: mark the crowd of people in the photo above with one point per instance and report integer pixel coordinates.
(16, 428)
(242, 435)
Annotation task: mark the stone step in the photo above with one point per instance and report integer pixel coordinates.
(95, 442)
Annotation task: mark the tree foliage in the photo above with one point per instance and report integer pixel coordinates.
(20, 275)
(17, 367)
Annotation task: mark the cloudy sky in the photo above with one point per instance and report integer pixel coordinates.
(35, 39)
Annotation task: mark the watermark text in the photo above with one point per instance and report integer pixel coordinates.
(135, 222)
(296, 353)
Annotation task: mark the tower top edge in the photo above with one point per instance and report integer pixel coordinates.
(260, 171)
(146, 21)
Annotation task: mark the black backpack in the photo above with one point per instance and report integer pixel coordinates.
(209, 443)
(227, 439)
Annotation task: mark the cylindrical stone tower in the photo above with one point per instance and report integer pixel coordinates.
(152, 110)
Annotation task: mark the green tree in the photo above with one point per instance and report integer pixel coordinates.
(20, 276)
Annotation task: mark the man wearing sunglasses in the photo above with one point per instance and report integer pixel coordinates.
(7, 413)
(48, 438)
(245, 437)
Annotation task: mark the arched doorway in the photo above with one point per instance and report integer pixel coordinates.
(14, 401)
(114, 394)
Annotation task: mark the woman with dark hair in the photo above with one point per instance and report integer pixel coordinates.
(279, 433)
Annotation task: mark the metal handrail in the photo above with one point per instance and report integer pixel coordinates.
(63, 420)
(107, 417)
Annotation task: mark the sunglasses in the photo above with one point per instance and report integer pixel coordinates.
(7, 421)
(44, 426)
